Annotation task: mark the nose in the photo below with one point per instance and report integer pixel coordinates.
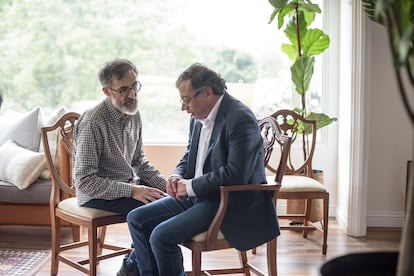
(184, 107)
(132, 94)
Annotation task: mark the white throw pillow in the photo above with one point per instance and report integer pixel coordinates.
(23, 128)
(20, 166)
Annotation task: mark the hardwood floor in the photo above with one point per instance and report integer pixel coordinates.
(296, 255)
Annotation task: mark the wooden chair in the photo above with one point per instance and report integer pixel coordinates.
(64, 208)
(298, 183)
(213, 239)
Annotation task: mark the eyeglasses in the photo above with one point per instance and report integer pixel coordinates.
(187, 100)
(123, 91)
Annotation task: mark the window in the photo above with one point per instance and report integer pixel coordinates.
(52, 50)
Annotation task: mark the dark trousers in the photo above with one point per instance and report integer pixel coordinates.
(159, 227)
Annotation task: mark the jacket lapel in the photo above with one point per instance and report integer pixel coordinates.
(218, 124)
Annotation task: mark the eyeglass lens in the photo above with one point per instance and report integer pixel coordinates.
(187, 100)
(135, 88)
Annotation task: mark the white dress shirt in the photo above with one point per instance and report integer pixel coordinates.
(203, 143)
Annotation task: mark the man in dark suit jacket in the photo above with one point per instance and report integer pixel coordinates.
(224, 148)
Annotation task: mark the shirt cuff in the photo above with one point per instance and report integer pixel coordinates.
(189, 187)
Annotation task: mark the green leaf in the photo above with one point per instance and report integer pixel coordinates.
(315, 42)
(404, 32)
(303, 25)
(302, 71)
(309, 11)
(272, 16)
(290, 51)
(309, 17)
(287, 10)
(369, 8)
(322, 119)
(311, 8)
(290, 32)
(278, 4)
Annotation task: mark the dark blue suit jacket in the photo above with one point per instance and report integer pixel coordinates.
(234, 157)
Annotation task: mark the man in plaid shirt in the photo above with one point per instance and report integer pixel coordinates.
(110, 170)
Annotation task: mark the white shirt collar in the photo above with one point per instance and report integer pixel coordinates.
(209, 121)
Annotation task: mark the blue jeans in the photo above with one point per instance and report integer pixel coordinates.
(159, 227)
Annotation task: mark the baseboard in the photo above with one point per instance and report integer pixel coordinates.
(374, 219)
(281, 208)
(385, 219)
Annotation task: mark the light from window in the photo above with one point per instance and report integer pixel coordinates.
(52, 50)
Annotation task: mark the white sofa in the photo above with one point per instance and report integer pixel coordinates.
(24, 178)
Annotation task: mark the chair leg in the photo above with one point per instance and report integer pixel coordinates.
(92, 244)
(196, 259)
(325, 224)
(55, 245)
(243, 262)
(272, 257)
(308, 209)
(101, 239)
(76, 232)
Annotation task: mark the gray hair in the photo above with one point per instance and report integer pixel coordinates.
(115, 69)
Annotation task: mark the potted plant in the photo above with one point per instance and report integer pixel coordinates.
(296, 17)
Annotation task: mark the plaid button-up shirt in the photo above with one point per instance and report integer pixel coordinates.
(108, 155)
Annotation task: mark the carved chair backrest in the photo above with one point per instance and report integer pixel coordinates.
(272, 136)
(303, 134)
(60, 169)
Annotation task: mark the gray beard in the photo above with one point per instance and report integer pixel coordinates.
(128, 110)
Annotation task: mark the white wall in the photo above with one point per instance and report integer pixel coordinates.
(391, 136)
(375, 136)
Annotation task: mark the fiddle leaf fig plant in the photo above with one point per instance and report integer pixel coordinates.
(296, 16)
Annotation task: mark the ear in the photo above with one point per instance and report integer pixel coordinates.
(106, 91)
(209, 91)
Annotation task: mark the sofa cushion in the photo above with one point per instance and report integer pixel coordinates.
(38, 192)
(19, 165)
(23, 128)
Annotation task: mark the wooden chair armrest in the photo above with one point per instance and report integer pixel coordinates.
(215, 226)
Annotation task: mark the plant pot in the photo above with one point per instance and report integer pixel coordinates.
(362, 264)
(297, 206)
